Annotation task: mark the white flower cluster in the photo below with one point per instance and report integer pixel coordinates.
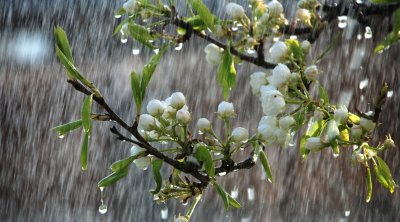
(213, 54)
(274, 131)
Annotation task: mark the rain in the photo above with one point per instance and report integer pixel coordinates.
(40, 175)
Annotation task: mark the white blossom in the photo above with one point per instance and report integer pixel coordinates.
(155, 107)
(286, 122)
(282, 137)
(332, 130)
(143, 162)
(356, 131)
(305, 46)
(267, 132)
(341, 115)
(303, 15)
(169, 112)
(147, 122)
(275, 8)
(213, 54)
(240, 134)
(235, 11)
(183, 116)
(272, 102)
(203, 124)
(225, 110)
(268, 120)
(311, 72)
(178, 100)
(367, 124)
(129, 6)
(280, 75)
(257, 79)
(313, 143)
(278, 52)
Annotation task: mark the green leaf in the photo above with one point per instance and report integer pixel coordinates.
(368, 181)
(314, 130)
(120, 164)
(141, 34)
(205, 15)
(157, 164)
(114, 177)
(226, 74)
(295, 48)
(84, 151)
(196, 22)
(136, 91)
(233, 202)
(66, 128)
(323, 94)
(204, 156)
(335, 146)
(265, 164)
(394, 35)
(62, 43)
(223, 194)
(122, 23)
(86, 111)
(150, 67)
(383, 175)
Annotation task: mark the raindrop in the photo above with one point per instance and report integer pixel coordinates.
(151, 41)
(292, 141)
(124, 39)
(185, 203)
(156, 51)
(222, 174)
(342, 22)
(61, 136)
(390, 94)
(368, 32)
(347, 213)
(250, 193)
(359, 36)
(363, 83)
(359, 1)
(179, 46)
(117, 16)
(235, 28)
(135, 51)
(336, 155)
(200, 132)
(275, 39)
(234, 192)
(293, 37)
(103, 209)
(164, 213)
(250, 6)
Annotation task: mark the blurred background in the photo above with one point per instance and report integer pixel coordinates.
(40, 175)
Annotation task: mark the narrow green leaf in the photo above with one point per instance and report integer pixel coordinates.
(112, 178)
(368, 181)
(86, 111)
(84, 151)
(157, 164)
(141, 34)
(266, 166)
(226, 74)
(196, 22)
(66, 128)
(62, 43)
(136, 91)
(205, 15)
(387, 176)
(323, 94)
(233, 202)
(223, 194)
(119, 26)
(204, 156)
(120, 164)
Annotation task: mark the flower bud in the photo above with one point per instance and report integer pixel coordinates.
(143, 162)
(286, 122)
(155, 107)
(218, 31)
(305, 46)
(235, 11)
(267, 132)
(280, 75)
(257, 79)
(303, 15)
(282, 137)
(367, 124)
(147, 122)
(183, 116)
(278, 52)
(178, 100)
(356, 131)
(129, 6)
(275, 8)
(225, 110)
(341, 115)
(213, 54)
(332, 130)
(204, 125)
(359, 157)
(311, 72)
(268, 120)
(272, 102)
(313, 143)
(388, 143)
(169, 112)
(240, 134)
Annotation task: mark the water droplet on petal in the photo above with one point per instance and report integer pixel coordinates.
(124, 39)
(103, 209)
(156, 51)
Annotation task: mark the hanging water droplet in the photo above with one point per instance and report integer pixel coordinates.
(179, 46)
(293, 37)
(342, 22)
(363, 84)
(336, 155)
(390, 94)
(222, 174)
(156, 51)
(250, 6)
(250, 193)
(117, 16)
(151, 41)
(292, 140)
(347, 213)
(103, 209)
(250, 51)
(135, 51)
(101, 189)
(164, 213)
(359, 36)
(124, 39)
(61, 136)
(234, 192)
(185, 203)
(275, 39)
(368, 32)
